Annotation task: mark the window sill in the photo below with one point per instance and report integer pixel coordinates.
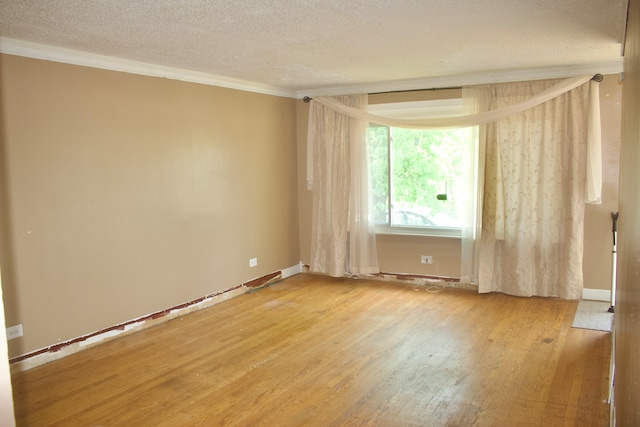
(447, 233)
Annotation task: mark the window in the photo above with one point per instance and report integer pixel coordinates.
(420, 178)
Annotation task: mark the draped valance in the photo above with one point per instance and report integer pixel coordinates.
(594, 156)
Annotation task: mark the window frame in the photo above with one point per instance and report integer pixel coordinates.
(410, 110)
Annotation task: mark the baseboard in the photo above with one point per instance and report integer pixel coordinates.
(66, 348)
(596, 294)
(293, 270)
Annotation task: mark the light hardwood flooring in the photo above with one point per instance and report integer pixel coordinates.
(316, 351)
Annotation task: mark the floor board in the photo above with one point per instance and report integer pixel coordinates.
(318, 351)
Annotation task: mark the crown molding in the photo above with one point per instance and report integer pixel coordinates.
(69, 56)
(85, 59)
(455, 81)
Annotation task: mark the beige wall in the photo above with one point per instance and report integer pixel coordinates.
(627, 310)
(401, 254)
(6, 392)
(129, 194)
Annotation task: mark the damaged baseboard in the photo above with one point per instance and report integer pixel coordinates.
(66, 348)
(421, 280)
(411, 279)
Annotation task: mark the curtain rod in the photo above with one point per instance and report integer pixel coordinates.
(596, 78)
(307, 98)
(416, 90)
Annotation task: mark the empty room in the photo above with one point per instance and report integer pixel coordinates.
(305, 213)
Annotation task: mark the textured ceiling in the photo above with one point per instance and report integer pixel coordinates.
(307, 44)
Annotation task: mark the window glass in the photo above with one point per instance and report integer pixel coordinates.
(418, 177)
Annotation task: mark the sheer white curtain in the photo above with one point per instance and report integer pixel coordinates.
(522, 250)
(474, 176)
(343, 232)
(534, 192)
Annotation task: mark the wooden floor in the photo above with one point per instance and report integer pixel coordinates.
(315, 351)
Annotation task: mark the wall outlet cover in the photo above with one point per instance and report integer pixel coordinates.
(14, 332)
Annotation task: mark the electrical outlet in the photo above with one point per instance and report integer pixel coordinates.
(14, 332)
(253, 262)
(426, 259)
